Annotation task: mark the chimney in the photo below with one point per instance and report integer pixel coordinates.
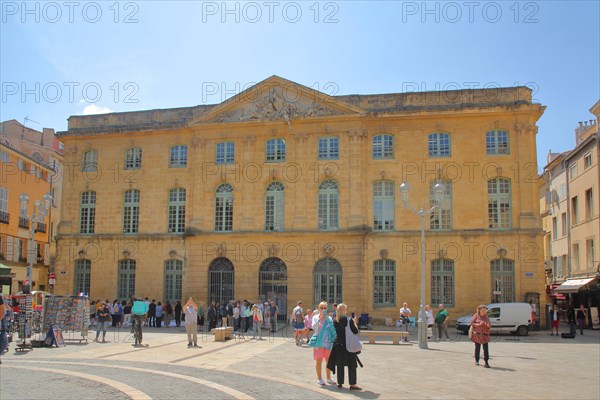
(47, 137)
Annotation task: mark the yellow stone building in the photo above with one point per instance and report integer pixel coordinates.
(287, 193)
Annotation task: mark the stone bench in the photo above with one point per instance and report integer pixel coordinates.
(222, 334)
(395, 335)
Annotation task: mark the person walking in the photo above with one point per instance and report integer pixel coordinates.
(481, 326)
(168, 312)
(553, 317)
(405, 318)
(236, 317)
(247, 316)
(340, 357)
(274, 313)
(212, 317)
(322, 326)
(441, 320)
(191, 315)
(103, 317)
(581, 318)
(298, 323)
(152, 313)
(178, 311)
(257, 321)
(139, 311)
(126, 313)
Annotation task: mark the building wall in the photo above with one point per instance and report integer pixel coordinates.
(470, 243)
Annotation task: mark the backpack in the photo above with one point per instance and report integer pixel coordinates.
(298, 316)
(230, 309)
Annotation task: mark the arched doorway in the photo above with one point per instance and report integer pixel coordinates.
(272, 284)
(327, 281)
(220, 280)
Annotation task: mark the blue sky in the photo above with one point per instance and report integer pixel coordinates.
(59, 59)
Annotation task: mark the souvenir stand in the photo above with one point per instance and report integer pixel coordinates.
(25, 318)
(69, 316)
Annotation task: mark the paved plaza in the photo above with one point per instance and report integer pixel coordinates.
(539, 366)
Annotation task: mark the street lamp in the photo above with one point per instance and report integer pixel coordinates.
(39, 213)
(438, 190)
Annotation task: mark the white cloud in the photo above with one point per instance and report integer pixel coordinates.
(94, 109)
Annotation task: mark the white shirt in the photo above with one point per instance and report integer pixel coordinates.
(191, 315)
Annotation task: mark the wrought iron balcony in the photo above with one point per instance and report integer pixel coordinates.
(24, 222)
(41, 227)
(4, 217)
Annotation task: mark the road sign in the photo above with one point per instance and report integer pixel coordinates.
(52, 281)
(26, 283)
(52, 275)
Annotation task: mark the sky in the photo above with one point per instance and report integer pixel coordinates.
(59, 59)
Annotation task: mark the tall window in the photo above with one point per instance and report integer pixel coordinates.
(383, 206)
(589, 253)
(441, 217)
(329, 148)
(178, 156)
(87, 220)
(177, 210)
(587, 160)
(499, 203)
(384, 282)
(4, 157)
(131, 211)
(575, 256)
(3, 205)
(275, 150)
(133, 158)
(90, 161)
(173, 280)
(328, 205)
(442, 282)
(503, 280)
(439, 145)
(563, 218)
(554, 228)
(589, 204)
(573, 170)
(275, 207)
(126, 279)
(224, 208)
(225, 153)
(83, 273)
(383, 147)
(496, 142)
(574, 211)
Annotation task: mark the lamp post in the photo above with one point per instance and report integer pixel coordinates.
(438, 190)
(39, 213)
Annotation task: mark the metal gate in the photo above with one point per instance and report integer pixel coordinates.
(272, 284)
(327, 281)
(220, 280)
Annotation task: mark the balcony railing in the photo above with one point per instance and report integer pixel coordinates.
(41, 227)
(4, 217)
(24, 222)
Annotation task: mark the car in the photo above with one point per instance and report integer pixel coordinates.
(515, 318)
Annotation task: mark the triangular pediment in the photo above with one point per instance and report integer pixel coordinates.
(277, 99)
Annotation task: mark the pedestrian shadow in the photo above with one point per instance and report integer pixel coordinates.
(503, 369)
(363, 394)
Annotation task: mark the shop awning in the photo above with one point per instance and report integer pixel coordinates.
(573, 285)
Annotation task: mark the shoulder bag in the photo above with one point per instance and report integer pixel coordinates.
(353, 345)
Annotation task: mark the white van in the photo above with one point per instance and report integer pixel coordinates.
(516, 318)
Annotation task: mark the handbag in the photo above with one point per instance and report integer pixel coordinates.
(316, 340)
(471, 332)
(353, 345)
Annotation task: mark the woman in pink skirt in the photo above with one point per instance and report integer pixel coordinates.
(323, 325)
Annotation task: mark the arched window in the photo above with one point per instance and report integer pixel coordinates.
(503, 280)
(220, 280)
(383, 206)
(327, 281)
(224, 208)
(499, 203)
(173, 280)
(83, 269)
(383, 147)
(442, 282)
(87, 212)
(131, 211)
(384, 282)
(177, 199)
(441, 217)
(126, 279)
(275, 207)
(328, 211)
(438, 145)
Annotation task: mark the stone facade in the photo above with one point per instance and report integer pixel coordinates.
(316, 255)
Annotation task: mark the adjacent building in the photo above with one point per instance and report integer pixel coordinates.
(287, 193)
(30, 164)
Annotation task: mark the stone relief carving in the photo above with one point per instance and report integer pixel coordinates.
(275, 106)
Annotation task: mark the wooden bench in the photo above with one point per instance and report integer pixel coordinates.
(395, 335)
(222, 334)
